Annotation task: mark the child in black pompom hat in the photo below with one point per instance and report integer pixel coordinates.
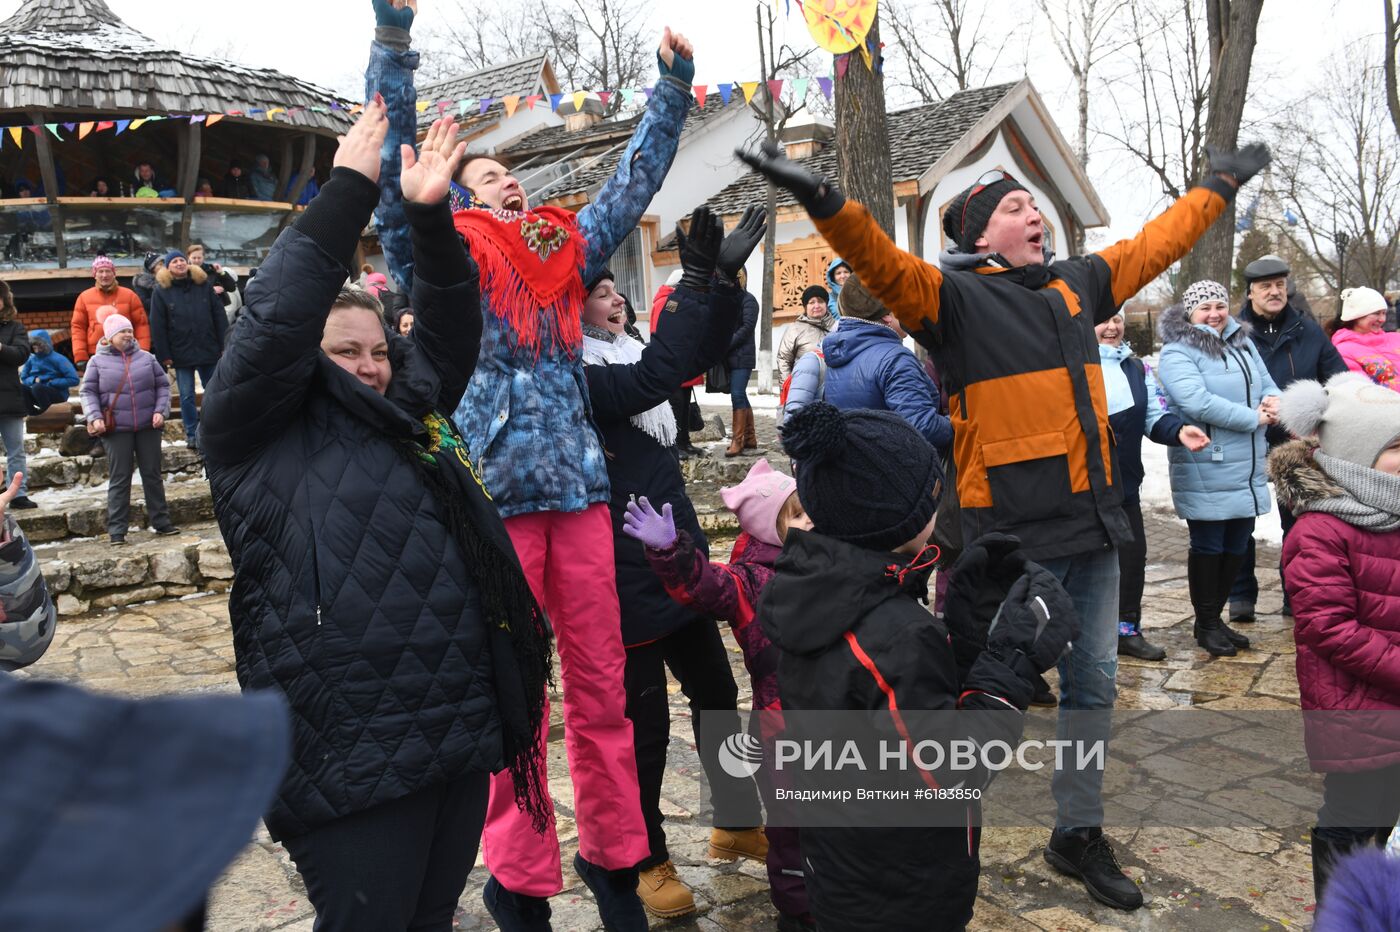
(843, 611)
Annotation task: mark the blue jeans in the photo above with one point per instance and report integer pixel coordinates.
(189, 414)
(1213, 537)
(739, 388)
(1088, 680)
(12, 435)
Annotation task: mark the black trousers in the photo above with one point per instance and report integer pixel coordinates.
(1132, 567)
(696, 657)
(399, 867)
(1246, 585)
(1356, 804)
(680, 407)
(142, 447)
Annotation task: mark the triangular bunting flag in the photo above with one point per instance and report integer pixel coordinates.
(194, 118)
(647, 91)
(511, 102)
(749, 87)
(84, 129)
(274, 111)
(775, 88)
(122, 125)
(17, 134)
(799, 90)
(825, 85)
(554, 100)
(486, 103)
(211, 119)
(105, 125)
(627, 96)
(605, 96)
(136, 124)
(725, 90)
(533, 99)
(69, 126)
(53, 128)
(842, 63)
(700, 92)
(463, 106)
(578, 100)
(152, 119)
(442, 106)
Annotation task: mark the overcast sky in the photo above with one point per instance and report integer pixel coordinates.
(326, 41)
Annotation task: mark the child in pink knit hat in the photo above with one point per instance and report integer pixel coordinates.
(767, 506)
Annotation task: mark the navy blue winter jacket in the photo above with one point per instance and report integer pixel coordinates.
(869, 367)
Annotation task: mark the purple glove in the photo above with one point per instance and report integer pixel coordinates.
(656, 531)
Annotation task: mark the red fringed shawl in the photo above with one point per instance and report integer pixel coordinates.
(531, 266)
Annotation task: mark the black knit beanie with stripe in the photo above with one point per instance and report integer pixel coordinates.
(965, 220)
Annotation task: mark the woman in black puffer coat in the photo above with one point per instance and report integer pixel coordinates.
(374, 584)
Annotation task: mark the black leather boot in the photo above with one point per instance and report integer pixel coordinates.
(1230, 564)
(1203, 580)
(1085, 853)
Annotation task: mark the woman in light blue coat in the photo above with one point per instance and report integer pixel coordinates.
(1215, 379)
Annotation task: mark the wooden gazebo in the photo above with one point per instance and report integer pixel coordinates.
(76, 79)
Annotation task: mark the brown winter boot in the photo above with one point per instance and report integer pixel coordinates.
(736, 433)
(750, 435)
(730, 845)
(662, 892)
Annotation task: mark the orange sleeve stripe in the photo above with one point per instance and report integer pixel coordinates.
(1136, 262)
(906, 284)
(864, 659)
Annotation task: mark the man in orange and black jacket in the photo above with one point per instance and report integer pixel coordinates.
(1013, 335)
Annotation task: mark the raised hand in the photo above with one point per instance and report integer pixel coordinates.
(1193, 438)
(358, 150)
(1242, 164)
(428, 174)
(699, 249)
(674, 46)
(820, 197)
(741, 241)
(657, 531)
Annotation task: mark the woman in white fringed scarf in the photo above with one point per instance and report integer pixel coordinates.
(628, 386)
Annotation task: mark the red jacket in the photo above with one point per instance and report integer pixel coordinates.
(1344, 586)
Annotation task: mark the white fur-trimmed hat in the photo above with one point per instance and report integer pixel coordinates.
(1353, 418)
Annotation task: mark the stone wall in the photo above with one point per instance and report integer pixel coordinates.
(86, 578)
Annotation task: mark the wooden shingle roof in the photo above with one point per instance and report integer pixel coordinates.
(918, 137)
(77, 56)
(523, 76)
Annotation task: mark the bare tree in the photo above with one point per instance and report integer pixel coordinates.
(1084, 34)
(1191, 60)
(592, 44)
(1392, 49)
(1338, 172)
(942, 46)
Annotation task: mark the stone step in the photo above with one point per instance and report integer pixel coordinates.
(81, 511)
(92, 575)
(49, 469)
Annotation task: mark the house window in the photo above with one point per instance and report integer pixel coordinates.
(628, 265)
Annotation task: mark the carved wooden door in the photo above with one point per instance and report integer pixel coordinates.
(800, 264)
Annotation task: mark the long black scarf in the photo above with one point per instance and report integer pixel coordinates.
(519, 631)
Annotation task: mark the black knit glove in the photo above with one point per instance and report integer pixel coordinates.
(741, 241)
(1242, 164)
(977, 584)
(700, 249)
(1035, 624)
(820, 197)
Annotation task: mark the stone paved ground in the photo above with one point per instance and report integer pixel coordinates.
(1225, 878)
